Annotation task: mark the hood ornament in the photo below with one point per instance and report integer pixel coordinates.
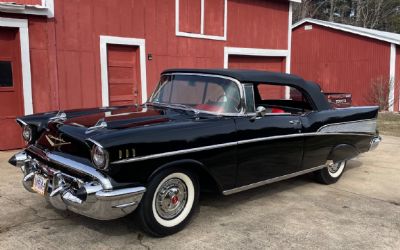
(99, 125)
(60, 116)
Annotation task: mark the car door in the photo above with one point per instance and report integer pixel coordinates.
(268, 147)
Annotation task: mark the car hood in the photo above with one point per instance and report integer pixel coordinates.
(71, 131)
(121, 117)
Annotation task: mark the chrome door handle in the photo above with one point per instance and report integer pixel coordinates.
(294, 122)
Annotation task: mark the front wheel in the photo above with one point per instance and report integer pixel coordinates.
(331, 173)
(169, 202)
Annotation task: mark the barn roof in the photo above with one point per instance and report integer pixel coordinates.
(371, 33)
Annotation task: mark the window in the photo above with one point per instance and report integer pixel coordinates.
(249, 96)
(204, 93)
(272, 97)
(6, 76)
(205, 19)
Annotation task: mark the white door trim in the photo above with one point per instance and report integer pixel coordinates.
(392, 77)
(252, 52)
(104, 40)
(22, 25)
(259, 52)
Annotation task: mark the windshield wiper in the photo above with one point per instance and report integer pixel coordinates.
(176, 105)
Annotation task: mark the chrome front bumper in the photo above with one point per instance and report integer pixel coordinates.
(374, 143)
(88, 192)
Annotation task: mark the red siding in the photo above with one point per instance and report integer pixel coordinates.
(29, 2)
(339, 61)
(397, 81)
(65, 50)
(214, 17)
(189, 16)
(258, 24)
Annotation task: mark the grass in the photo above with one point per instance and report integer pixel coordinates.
(389, 124)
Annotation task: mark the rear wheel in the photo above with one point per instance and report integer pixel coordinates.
(331, 173)
(169, 202)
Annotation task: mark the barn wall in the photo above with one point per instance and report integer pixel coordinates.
(339, 61)
(65, 51)
(258, 24)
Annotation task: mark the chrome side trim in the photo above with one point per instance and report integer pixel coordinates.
(269, 181)
(178, 152)
(229, 144)
(359, 126)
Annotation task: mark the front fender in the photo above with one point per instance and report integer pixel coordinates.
(206, 178)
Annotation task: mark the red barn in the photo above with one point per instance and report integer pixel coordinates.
(58, 54)
(344, 58)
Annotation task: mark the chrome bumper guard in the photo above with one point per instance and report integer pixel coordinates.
(374, 143)
(95, 198)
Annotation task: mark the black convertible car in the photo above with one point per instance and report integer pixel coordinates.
(217, 130)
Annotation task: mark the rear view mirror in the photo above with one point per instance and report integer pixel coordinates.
(260, 112)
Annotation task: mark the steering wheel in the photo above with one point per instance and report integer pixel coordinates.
(220, 97)
(231, 100)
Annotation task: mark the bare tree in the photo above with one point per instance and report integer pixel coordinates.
(379, 92)
(374, 14)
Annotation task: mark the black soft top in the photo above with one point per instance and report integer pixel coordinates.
(313, 90)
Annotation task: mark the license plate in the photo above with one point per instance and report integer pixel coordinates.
(39, 184)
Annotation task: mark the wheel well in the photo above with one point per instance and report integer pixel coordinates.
(206, 181)
(343, 152)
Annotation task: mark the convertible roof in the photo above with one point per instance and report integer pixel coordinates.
(258, 76)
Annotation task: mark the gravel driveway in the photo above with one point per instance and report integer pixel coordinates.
(361, 211)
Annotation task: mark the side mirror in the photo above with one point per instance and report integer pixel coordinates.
(260, 112)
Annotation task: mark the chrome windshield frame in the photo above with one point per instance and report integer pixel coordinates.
(242, 111)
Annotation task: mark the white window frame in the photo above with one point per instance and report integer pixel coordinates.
(45, 9)
(49, 4)
(201, 35)
(104, 41)
(22, 25)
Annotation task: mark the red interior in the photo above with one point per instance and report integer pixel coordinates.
(209, 107)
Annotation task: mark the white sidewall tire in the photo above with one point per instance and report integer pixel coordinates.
(339, 171)
(189, 204)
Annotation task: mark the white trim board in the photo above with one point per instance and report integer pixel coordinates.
(45, 9)
(201, 35)
(370, 33)
(252, 52)
(22, 25)
(392, 77)
(104, 40)
(289, 57)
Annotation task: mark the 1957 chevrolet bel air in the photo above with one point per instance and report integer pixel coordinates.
(221, 130)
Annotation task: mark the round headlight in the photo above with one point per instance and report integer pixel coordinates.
(27, 133)
(99, 157)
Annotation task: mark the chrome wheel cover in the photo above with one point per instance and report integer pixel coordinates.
(171, 198)
(336, 169)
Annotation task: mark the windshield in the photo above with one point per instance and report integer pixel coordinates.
(204, 93)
